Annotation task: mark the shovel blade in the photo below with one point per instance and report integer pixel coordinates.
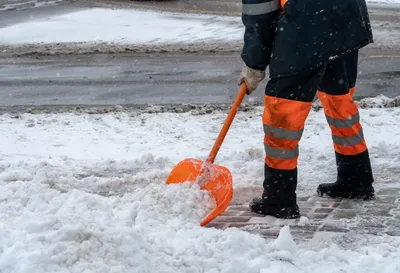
(218, 184)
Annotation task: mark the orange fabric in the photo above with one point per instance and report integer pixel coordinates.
(352, 90)
(284, 113)
(281, 164)
(338, 106)
(351, 150)
(346, 132)
(280, 143)
(283, 2)
(343, 107)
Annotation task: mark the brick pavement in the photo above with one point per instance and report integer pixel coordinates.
(375, 217)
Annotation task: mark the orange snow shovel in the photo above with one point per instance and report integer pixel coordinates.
(213, 178)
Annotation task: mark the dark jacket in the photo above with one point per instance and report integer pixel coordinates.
(307, 35)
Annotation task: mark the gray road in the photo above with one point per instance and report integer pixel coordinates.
(107, 79)
(152, 79)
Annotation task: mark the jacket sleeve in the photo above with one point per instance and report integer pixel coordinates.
(259, 18)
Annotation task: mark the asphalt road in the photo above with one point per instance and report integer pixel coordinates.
(108, 79)
(152, 79)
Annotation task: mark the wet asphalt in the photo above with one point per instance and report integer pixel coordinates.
(137, 79)
(105, 79)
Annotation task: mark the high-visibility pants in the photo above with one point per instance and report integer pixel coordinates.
(288, 102)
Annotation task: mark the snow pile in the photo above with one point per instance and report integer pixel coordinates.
(124, 27)
(154, 229)
(28, 4)
(86, 193)
(380, 101)
(119, 150)
(121, 30)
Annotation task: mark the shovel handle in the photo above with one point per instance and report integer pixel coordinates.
(227, 124)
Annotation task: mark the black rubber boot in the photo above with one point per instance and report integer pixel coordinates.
(279, 196)
(354, 180)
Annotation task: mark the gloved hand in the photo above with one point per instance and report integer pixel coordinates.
(252, 78)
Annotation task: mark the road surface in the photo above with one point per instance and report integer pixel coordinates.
(137, 79)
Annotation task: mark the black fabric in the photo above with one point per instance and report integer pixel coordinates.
(308, 35)
(335, 78)
(300, 87)
(354, 179)
(354, 171)
(258, 37)
(279, 187)
(312, 32)
(340, 75)
(259, 206)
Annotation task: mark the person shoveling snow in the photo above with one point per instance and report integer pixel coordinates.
(309, 46)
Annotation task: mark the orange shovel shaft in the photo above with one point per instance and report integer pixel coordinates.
(227, 124)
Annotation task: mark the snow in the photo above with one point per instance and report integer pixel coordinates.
(9, 5)
(85, 192)
(396, 2)
(147, 29)
(124, 26)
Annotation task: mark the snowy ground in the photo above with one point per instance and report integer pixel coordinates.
(8, 5)
(85, 193)
(149, 29)
(123, 26)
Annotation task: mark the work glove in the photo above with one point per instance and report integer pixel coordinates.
(252, 77)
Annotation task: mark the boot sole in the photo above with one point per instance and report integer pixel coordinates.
(347, 195)
(276, 215)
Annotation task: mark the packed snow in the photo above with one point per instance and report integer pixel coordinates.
(85, 193)
(8, 5)
(147, 28)
(124, 26)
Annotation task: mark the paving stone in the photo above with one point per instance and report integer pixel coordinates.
(268, 232)
(393, 232)
(350, 204)
(305, 210)
(238, 208)
(306, 214)
(384, 199)
(343, 214)
(394, 212)
(269, 220)
(382, 213)
(371, 223)
(318, 216)
(334, 204)
(331, 228)
(232, 219)
(392, 222)
(305, 205)
(388, 191)
(323, 210)
(251, 214)
(327, 204)
(217, 225)
(238, 225)
(304, 228)
(365, 230)
(303, 198)
(302, 234)
(231, 213)
(326, 216)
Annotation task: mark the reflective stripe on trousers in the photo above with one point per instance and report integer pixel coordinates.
(344, 120)
(283, 131)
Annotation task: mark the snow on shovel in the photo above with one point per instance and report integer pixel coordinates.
(213, 178)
